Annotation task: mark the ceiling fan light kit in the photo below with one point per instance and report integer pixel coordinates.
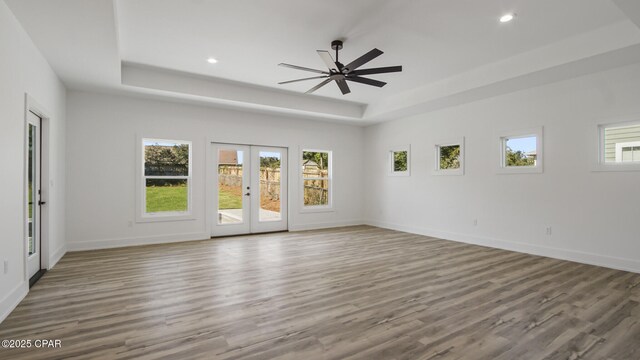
(341, 73)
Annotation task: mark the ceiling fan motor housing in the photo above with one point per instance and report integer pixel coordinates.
(336, 45)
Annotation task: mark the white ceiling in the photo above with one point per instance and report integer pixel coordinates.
(438, 42)
(432, 39)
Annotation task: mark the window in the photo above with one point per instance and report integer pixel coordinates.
(166, 177)
(400, 161)
(619, 147)
(449, 158)
(521, 151)
(621, 143)
(316, 179)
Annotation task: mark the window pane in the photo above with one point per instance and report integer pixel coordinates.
(167, 195)
(400, 161)
(32, 190)
(166, 159)
(270, 186)
(450, 157)
(230, 176)
(315, 164)
(316, 192)
(520, 151)
(619, 143)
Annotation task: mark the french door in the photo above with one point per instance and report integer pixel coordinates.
(250, 189)
(33, 195)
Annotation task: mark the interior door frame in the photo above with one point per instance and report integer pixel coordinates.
(34, 170)
(31, 105)
(210, 206)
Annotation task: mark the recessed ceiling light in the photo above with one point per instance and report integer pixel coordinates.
(507, 17)
(212, 60)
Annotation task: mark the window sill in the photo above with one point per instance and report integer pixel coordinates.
(164, 218)
(316, 209)
(615, 167)
(519, 170)
(458, 172)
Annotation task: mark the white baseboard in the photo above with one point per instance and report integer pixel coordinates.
(163, 239)
(12, 299)
(134, 241)
(556, 253)
(56, 256)
(328, 225)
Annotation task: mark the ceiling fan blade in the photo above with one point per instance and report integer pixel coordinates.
(366, 81)
(328, 60)
(325, 82)
(343, 85)
(303, 68)
(363, 59)
(380, 70)
(309, 78)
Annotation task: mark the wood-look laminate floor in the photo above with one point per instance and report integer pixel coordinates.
(348, 293)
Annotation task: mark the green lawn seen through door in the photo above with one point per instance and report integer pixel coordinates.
(229, 197)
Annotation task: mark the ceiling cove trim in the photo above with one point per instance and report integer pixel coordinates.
(237, 94)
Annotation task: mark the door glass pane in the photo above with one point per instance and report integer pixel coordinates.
(32, 189)
(230, 174)
(270, 186)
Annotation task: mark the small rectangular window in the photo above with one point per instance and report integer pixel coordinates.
(400, 161)
(521, 151)
(618, 146)
(166, 177)
(449, 158)
(621, 143)
(316, 179)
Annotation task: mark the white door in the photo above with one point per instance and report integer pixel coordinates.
(250, 194)
(269, 189)
(33, 194)
(232, 193)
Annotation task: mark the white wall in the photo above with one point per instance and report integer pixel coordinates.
(101, 148)
(593, 215)
(24, 70)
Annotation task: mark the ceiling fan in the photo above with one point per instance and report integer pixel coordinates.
(342, 73)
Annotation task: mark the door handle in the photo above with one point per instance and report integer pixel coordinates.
(247, 194)
(40, 203)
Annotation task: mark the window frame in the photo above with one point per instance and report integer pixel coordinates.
(391, 159)
(316, 208)
(451, 172)
(141, 214)
(600, 164)
(502, 138)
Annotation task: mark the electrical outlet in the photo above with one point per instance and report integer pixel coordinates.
(6, 266)
(475, 222)
(549, 230)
